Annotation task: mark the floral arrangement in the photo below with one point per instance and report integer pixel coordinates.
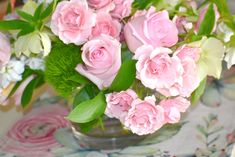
(142, 62)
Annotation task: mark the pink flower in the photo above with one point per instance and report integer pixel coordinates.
(188, 57)
(173, 107)
(98, 4)
(122, 8)
(118, 104)
(5, 50)
(202, 15)
(144, 117)
(72, 21)
(150, 28)
(34, 134)
(187, 51)
(102, 60)
(106, 25)
(156, 69)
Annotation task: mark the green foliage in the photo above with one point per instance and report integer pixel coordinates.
(89, 110)
(125, 77)
(208, 22)
(29, 23)
(225, 14)
(198, 92)
(86, 93)
(28, 91)
(60, 67)
(145, 4)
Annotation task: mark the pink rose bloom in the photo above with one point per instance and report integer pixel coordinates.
(72, 21)
(173, 107)
(5, 50)
(187, 51)
(202, 14)
(122, 8)
(118, 104)
(102, 60)
(156, 69)
(144, 117)
(150, 28)
(106, 25)
(98, 4)
(190, 80)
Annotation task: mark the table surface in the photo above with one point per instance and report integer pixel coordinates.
(207, 129)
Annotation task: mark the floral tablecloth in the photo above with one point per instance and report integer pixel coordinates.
(208, 129)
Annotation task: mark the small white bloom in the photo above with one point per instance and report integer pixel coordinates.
(230, 57)
(36, 63)
(12, 72)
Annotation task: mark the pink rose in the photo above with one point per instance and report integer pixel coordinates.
(144, 117)
(173, 107)
(156, 69)
(72, 21)
(202, 15)
(118, 104)
(98, 4)
(5, 50)
(150, 28)
(187, 51)
(102, 60)
(106, 25)
(122, 8)
(190, 80)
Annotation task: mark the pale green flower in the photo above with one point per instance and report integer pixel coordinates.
(37, 43)
(211, 56)
(30, 7)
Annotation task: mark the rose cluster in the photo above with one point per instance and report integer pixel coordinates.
(144, 116)
(97, 25)
(163, 65)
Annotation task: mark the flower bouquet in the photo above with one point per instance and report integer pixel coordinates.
(141, 62)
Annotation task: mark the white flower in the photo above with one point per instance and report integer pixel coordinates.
(36, 63)
(12, 72)
(37, 43)
(230, 57)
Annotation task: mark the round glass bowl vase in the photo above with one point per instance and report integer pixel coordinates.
(111, 136)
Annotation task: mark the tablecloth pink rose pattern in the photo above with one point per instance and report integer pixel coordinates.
(207, 130)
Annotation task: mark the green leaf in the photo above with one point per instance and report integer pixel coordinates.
(47, 12)
(25, 15)
(89, 110)
(28, 92)
(125, 77)
(38, 11)
(25, 31)
(198, 92)
(81, 96)
(208, 22)
(79, 79)
(86, 93)
(225, 14)
(13, 24)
